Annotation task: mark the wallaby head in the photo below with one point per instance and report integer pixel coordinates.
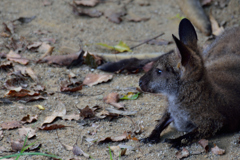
(182, 66)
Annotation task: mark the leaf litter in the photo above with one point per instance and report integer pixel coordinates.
(29, 132)
(94, 79)
(113, 98)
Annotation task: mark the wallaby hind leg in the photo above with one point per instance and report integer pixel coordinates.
(154, 137)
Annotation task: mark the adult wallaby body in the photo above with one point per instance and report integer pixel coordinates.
(203, 87)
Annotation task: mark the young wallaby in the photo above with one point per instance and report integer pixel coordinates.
(203, 88)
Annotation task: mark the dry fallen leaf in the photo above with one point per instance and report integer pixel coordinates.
(46, 49)
(11, 125)
(86, 12)
(70, 86)
(87, 112)
(118, 151)
(13, 56)
(52, 127)
(67, 147)
(112, 99)
(182, 153)
(17, 145)
(204, 144)
(90, 3)
(114, 139)
(47, 2)
(216, 30)
(59, 112)
(19, 92)
(93, 79)
(78, 152)
(217, 150)
(29, 132)
(9, 26)
(62, 60)
(6, 65)
(34, 45)
(29, 119)
(115, 15)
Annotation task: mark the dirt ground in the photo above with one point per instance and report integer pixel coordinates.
(71, 31)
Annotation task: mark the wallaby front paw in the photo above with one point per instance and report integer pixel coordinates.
(175, 143)
(150, 140)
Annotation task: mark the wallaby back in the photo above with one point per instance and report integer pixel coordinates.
(203, 88)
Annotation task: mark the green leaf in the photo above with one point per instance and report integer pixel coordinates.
(130, 96)
(105, 45)
(120, 47)
(110, 153)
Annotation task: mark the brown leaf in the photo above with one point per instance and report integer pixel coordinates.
(5, 35)
(182, 153)
(93, 79)
(112, 99)
(216, 150)
(90, 3)
(29, 132)
(28, 119)
(19, 92)
(30, 99)
(6, 65)
(62, 60)
(67, 147)
(59, 112)
(204, 144)
(66, 87)
(31, 73)
(46, 49)
(17, 145)
(114, 139)
(86, 12)
(216, 30)
(118, 151)
(87, 112)
(11, 125)
(115, 15)
(52, 127)
(34, 45)
(78, 152)
(9, 26)
(13, 56)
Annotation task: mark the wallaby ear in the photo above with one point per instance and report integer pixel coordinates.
(184, 51)
(187, 33)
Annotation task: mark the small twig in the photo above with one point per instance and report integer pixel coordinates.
(147, 41)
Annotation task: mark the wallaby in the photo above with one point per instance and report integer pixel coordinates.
(203, 88)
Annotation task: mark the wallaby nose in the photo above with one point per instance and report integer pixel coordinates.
(140, 82)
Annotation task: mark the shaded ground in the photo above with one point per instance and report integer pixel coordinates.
(70, 30)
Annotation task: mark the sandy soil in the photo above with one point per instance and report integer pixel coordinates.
(70, 30)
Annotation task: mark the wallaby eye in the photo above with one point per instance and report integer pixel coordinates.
(159, 71)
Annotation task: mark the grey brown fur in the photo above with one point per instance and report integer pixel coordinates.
(203, 87)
